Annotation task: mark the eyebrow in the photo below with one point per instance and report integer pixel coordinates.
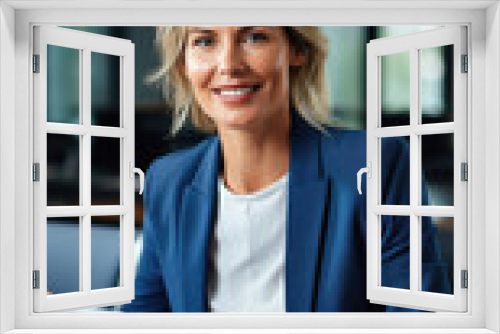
(201, 30)
(196, 30)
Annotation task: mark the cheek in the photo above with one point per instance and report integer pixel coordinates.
(198, 69)
(270, 62)
(197, 62)
(276, 69)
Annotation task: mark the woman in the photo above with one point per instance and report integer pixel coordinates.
(264, 215)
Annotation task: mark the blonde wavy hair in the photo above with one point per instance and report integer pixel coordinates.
(308, 91)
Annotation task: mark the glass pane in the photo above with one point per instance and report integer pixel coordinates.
(105, 236)
(437, 169)
(395, 246)
(395, 168)
(63, 85)
(436, 66)
(63, 169)
(105, 171)
(346, 74)
(63, 255)
(105, 89)
(437, 254)
(395, 89)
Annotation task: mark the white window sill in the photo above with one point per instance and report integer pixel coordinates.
(252, 331)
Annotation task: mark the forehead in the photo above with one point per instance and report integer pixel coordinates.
(229, 29)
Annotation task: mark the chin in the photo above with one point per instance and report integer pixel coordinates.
(237, 125)
(239, 119)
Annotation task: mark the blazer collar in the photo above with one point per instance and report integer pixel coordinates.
(308, 189)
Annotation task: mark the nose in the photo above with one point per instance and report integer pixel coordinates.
(230, 58)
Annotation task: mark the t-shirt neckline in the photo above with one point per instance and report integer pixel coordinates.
(259, 194)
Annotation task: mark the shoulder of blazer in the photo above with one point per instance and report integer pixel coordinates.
(343, 152)
(171, 173)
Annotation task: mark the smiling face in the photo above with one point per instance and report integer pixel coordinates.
(239, 75)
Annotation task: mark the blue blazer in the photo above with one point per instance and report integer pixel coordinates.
(326, 229)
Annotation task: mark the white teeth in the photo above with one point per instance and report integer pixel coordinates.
(240, 91)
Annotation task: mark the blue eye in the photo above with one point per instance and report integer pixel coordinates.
(203, 41)
(256, 37)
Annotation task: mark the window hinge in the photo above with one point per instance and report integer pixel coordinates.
(465, 63)
(36, 63)
(36, 172)
(36, 279)
(465, 279)
(464, 171)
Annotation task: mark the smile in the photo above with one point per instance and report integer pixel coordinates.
(236, 94)
(240, 91)
(237, 91)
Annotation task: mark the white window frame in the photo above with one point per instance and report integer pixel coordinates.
(483, 20)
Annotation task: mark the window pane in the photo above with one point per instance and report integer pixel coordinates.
(395, 89)
(105, 235)
(63, 255)
(436, 66)
(395, 247)
(395, 168)
(437, 169)
(63, 169)
(437, 254)
(106, 162)
(105, 89)
(63, 85)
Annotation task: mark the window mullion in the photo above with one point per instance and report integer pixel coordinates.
(85, 227)
(415, 270)
(80, 130)
(433, 129)
(108, 132)
(419, 129)
(420, 210)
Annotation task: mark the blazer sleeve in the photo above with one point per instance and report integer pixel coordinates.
(150, 291)
(396, 229)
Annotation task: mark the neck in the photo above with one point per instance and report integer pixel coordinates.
(252, 160)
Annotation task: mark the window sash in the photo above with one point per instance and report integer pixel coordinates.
(85, 43)
(414, 298)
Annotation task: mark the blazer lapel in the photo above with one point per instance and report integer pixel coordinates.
(308, 191)
(195, 230)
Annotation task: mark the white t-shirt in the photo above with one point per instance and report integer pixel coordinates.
(248, 250)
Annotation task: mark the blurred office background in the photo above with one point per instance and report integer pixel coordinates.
(346, 73)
